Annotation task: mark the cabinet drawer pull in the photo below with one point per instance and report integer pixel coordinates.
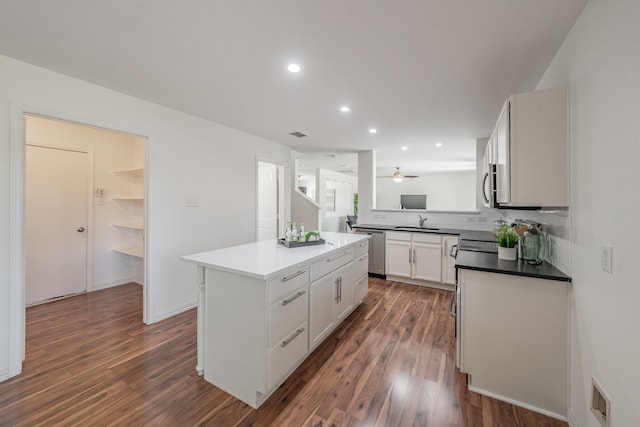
(363, 257)
(295, 335)
(293, 298)
(296, 274)
(337, 256)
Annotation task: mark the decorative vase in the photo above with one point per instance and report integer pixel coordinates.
(510, 254)
(533, 247)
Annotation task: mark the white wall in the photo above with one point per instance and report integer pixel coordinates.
(446, 191)
(111, 151)
(345, 186)
(187, 157)
(600, 61)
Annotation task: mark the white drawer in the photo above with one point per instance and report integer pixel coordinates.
(286, 354)
(427, 238)
(285, 314)
(332, 262)
(398, 235)
(287, 282)
(362, 248)
(361, 288)
(361, 266)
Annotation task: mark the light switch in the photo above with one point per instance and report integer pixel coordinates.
(607, 258)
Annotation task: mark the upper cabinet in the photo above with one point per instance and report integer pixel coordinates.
(531, 151)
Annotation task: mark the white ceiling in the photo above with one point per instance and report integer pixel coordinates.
(420, 71)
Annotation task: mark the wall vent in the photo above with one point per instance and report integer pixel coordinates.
(298, 134)
(600, 404)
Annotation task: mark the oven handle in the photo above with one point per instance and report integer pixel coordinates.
(452, 311)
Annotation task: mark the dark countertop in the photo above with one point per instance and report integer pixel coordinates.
(482, 261)
(479, 235)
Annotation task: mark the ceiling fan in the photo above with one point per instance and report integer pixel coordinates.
(399, 176)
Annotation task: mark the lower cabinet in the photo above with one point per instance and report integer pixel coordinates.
(512, 338)
(449, 259)
(331, 299)
(415, 256)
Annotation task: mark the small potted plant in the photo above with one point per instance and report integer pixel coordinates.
(507, 241)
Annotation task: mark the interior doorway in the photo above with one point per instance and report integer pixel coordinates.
(56, 219)
(270, 201)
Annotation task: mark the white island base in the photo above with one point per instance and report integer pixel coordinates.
(263, 308)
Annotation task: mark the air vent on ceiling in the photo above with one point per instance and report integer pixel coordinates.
(298, 134)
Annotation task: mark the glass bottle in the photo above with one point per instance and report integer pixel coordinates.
(302, 236)
(533, 246)
(294, 233)
(287, 233)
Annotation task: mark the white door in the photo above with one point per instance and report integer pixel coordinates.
(267, 201)
(56, 186)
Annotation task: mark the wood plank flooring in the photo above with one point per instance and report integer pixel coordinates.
(92, 362)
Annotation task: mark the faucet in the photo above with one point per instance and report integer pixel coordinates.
(421, 221)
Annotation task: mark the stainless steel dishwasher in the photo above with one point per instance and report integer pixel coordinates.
(376, 250)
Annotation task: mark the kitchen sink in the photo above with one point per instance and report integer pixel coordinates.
(410, 228)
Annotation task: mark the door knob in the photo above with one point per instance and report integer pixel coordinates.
(80, 229)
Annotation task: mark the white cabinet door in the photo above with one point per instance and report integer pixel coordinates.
(321, 301)
(398, 258)
(427, 261)
(344, 297)
(448, 261)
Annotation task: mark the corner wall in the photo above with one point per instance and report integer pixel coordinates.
(600, 62)
(187, 157)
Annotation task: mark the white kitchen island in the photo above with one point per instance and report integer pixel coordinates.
(263, 308)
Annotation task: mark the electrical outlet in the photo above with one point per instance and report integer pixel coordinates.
(191, 202)
(600, 404)
(607, 258)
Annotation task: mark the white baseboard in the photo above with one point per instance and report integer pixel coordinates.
(113, 283)
(571, 419)
(174, 311)
(4, 375)
(421, 282)
(518, 403)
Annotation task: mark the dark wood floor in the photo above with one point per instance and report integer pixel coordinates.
(92, 362)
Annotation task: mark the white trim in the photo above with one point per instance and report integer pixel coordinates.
(147, 292)
(174, 311)
(419, 282)
(4, 375)
(571, 419)
(518, 403)
(17, 312)
(114, 283)
(280, 176)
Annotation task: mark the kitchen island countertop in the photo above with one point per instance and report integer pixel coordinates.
(268, 258)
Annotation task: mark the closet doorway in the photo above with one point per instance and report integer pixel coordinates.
(84, 209)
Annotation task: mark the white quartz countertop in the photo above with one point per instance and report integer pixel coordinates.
(267, 259)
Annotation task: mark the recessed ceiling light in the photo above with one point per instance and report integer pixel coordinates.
(404, 148)
(345, 109)
(438, 144)
(373, 130)
(294, 68)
